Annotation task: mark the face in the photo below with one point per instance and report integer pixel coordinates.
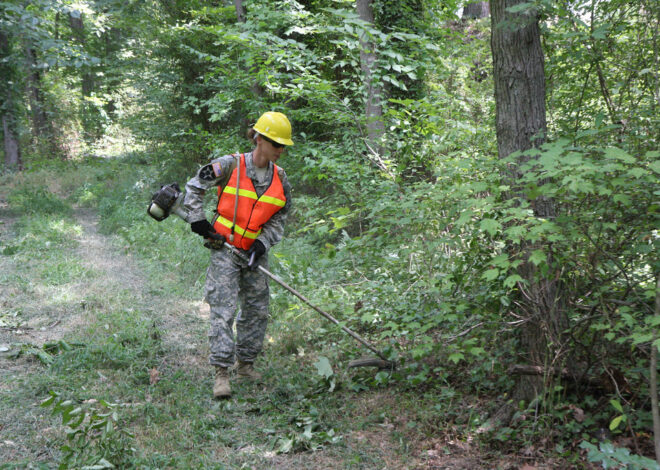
(270, 150)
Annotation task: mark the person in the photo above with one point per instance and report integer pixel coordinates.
(252, 222)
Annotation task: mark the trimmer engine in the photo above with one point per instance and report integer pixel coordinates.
(167, 201)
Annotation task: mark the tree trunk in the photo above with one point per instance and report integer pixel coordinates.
(111, 78)
(89, 116)
(39, 120)
(374, 91)
(7, 107)
(476, 10)
(240, 11)
(41, 125)
(12, 149)
(78, 28)
(520, 125)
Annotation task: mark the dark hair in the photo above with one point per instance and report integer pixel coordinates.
(251, 133)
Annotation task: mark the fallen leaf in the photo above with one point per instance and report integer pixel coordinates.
(578, 413)
(529, 452)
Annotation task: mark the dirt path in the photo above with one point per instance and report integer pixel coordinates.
(184, 323)
(35, 314)
(44, 319)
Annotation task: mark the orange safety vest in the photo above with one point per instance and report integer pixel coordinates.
(252, 211)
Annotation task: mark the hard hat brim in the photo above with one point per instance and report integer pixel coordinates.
(283, 141)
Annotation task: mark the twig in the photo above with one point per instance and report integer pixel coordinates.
(618, 393)
(463, 333)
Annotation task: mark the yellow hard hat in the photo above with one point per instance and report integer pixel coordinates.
(275, 126)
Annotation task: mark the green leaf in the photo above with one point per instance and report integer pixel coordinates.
(464, 218)
(456, 357)
(617, 406)
(618, 154)
(537, 257)
(521, 7)
(490, 225)
(323, 367)
(623, 199)
(655, 166)
(516, 233)
(656, 344)
(638, 172)
(491, 274)
(615, 423)
(501, 261)
(48, 401)
(512, 280)
(285, 446)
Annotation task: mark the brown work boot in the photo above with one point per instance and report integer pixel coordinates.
(245, 370)
(221, 388)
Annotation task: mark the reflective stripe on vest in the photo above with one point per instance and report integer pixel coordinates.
(253, 211)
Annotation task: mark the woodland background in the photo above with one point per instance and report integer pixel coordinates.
(475, 187)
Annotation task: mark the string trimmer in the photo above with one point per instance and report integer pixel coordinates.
(169, 200)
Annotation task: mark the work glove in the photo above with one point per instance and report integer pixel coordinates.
(254, 253)
(206, 230)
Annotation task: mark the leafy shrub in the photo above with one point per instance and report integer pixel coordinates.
(95, 438)
(610, 456)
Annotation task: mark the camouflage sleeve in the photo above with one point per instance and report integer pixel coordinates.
(215, 174)
(273, 230)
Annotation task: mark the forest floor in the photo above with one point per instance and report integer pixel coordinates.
(139, 344)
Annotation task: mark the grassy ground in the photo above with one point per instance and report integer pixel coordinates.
(102, 318)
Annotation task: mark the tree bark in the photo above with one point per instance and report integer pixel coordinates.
(240, 11)
(519, 79)
(653, 376)
(374, 91)
(111, 78)
(12, 148)
(77, 26)
(476, 10)
(7, 105)
(41, 124)
(89, 116)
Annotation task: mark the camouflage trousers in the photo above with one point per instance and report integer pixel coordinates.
(228, 283)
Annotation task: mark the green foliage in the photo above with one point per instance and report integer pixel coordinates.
(610, 456)
(603, 64)
(95, 438)
(309, 434)
(37, 201)
(46, 353)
